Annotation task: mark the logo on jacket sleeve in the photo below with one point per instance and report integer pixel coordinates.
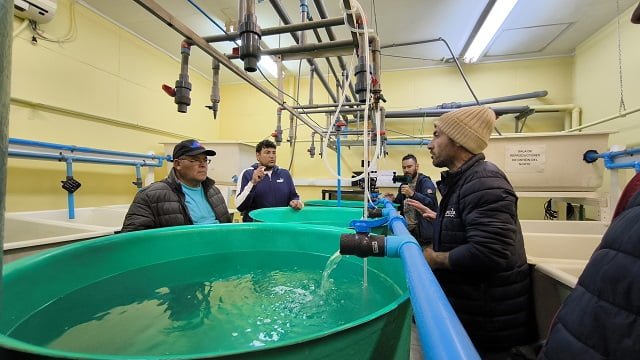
(451, 212)
(280, 180)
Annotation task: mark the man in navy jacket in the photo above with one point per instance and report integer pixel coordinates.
(265, 185)
(422, 190)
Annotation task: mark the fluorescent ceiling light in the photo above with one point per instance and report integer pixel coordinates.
(267, 63)
(497, 15)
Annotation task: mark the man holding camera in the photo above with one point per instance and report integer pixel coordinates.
(419, 187)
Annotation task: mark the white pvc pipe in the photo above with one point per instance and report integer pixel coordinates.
(601, 121)
(572, 113)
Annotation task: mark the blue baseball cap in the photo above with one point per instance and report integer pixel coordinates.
(190, 147)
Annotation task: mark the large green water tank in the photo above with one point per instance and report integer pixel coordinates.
(237, 291)
(341, 203)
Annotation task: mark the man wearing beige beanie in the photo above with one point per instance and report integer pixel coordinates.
(478, 251)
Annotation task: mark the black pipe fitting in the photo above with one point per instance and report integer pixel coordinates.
(360, 73)
(374, 213)
(362, 245)
(183, 93)
(250, 35)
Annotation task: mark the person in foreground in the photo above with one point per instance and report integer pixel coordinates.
(478, 253)
(265, 185)
(600, 319)
(186, 196)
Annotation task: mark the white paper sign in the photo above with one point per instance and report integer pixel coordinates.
(525, 158)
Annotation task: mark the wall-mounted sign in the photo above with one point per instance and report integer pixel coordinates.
(525, 158)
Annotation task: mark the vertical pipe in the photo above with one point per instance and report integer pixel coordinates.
(215, 87)
(6, 38)
(139, 177)
(278, 132)
(375, 60)
(311, 73)
(339, 187)
(183, 86)
(250, 35)
(70, 199)
(304, 10)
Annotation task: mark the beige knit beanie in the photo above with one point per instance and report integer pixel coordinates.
(470, 127)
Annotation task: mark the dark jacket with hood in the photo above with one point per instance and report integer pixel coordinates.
(162, 204)
(425, 193)
(488, 284)
(600, 319)
(276, 190)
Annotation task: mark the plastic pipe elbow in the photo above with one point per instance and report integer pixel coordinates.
(393, 244)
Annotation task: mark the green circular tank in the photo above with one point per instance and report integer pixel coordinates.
(334, 203)
(340, 217)
(235, 291)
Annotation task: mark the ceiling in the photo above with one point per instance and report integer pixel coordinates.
(534, 29)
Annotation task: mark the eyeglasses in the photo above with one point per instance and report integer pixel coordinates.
(199, 161)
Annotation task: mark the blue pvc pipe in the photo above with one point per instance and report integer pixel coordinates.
(592, 156)
(79, 158)
(625, 165)
(441, 334)
(42, 144)
(70, 197)
(408, 142)
(69, 159)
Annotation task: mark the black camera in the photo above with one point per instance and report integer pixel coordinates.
(403, 179)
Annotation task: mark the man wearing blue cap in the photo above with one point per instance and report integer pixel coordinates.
(186, 196)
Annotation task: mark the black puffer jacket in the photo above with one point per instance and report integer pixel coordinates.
(162, 204)
(600, 319)
(488, 284)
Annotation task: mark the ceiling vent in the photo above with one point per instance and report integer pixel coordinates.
(525, 40)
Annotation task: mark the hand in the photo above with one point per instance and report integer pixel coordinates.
(425, 211)
(406, 191)
(258, 174)
(429, 214)
(389, 196)
(296, 204)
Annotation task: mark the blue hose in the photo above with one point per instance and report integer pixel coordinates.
(441, 334)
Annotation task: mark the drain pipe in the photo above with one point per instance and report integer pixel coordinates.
(6, 38)
(441, 334)
(215, 87)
